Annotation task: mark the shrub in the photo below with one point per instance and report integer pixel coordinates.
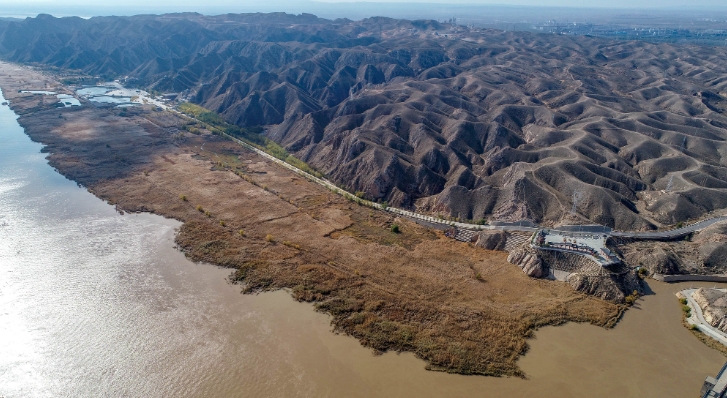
(683, 301)
(359, 194)
(630, 299)
(241, 232)
(693, 327)
(291, 244)
(686, 308)
(269, 238)
(222, 223)
(207, 213)
(200, 209)
(384, 205)
(183, 197)
(395, 228)
(680, 224)
(643, 273)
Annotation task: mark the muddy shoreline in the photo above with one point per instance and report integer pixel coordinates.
(460, 308)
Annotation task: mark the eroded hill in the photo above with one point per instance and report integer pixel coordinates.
(471, 124)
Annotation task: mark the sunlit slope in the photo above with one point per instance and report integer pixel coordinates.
(467, 124)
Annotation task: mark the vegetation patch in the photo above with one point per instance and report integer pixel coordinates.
(252, 136)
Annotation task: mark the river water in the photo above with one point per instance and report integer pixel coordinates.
(94, 304)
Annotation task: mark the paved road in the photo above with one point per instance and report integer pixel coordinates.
(697, 318)
(674, 233)
(524, 226)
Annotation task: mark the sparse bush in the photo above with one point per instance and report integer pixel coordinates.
(183, 197)
(222, 223)
(269, 238)
(200, 209)
(357, 318)
(384, 205)
(359, 194)
(395, 228)
(479, 277)
(241, 232)
(207, 213)
(631, 298)
(291, 244)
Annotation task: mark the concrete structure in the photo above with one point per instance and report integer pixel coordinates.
(715, 387)
(589, 244)
(690, 278)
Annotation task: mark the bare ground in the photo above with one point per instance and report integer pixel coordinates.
(460, 308)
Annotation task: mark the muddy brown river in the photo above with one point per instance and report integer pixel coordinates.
(98, 304)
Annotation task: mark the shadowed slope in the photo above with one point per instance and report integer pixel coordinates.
(471, 124)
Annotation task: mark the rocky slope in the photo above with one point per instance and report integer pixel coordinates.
(459, 308)
(529, 261)
(466, 123)
(714, 306)
(704, 253)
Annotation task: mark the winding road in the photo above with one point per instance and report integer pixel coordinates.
(671, 234)
(697, 318)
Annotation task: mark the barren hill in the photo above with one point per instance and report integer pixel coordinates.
(468, 123)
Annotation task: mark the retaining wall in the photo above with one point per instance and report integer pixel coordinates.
(690, 278)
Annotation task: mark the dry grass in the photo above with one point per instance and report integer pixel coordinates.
(708, 341)
(460, 308)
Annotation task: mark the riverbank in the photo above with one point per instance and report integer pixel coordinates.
(460, 308)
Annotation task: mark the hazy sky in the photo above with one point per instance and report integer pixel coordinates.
(257, 3)
(436, 9)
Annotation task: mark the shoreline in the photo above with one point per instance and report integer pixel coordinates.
(415, 291)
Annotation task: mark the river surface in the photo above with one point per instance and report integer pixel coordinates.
(98, 304)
